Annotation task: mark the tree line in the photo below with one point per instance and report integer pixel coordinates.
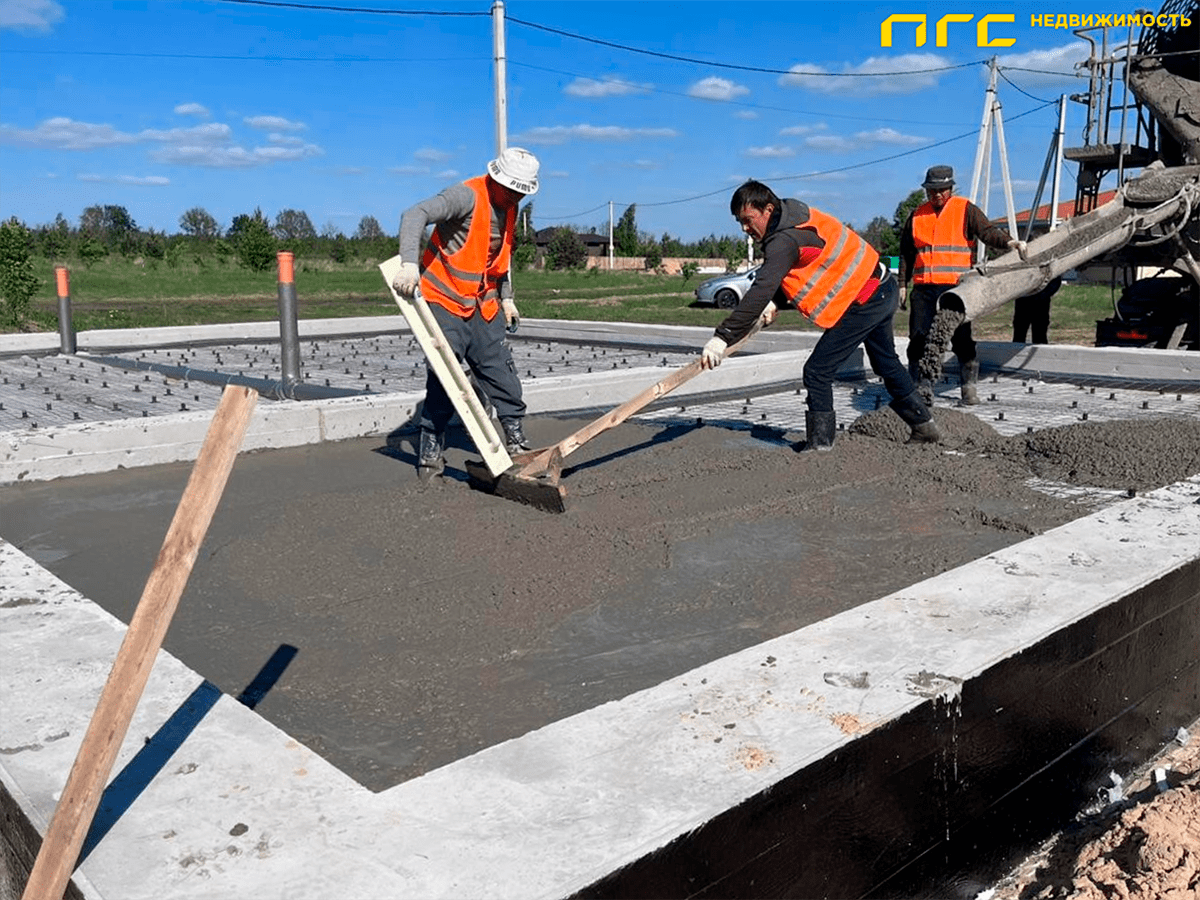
(253, 240)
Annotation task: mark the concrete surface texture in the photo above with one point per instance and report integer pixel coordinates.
(453, 652)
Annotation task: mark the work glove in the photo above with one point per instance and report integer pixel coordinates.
(713, 353)
(903, 297)
(512, 318)
(406, 280)
(767, 316)
(1020, 246)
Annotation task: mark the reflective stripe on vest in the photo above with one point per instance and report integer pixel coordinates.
(943, 252)
(824, 289)
(462, 280)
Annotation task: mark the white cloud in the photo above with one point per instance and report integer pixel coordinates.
(232, 157)
(30, 15)
(1059, 60)
(560, 134)
(889, 136)
(447, 174)
(830, 143)
(61, 133)
(409, 170)
(796, 130)
(429, 154)
(205, 145)
(146, 180)
(209, 133)
(604, 87)
(351, 170)
(873, 76)
(273, 123)
(769, 152)
(747, 114)
(714, 88)
(198, 110)
(863, 140)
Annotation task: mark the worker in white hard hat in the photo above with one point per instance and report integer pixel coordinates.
(463, 274)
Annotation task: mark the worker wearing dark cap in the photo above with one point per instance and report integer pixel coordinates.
(937, 246)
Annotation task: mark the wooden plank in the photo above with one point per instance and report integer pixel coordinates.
(73, 816)
(449, 372)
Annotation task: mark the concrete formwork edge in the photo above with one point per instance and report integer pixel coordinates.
(676, 789)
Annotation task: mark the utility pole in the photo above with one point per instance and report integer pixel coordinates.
(992, 120)
(610, 236)
(501, 95)
(1058, 160)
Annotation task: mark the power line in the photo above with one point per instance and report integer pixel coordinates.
(243, 58)
(741, 68)
(1000, 72)
(374, 10)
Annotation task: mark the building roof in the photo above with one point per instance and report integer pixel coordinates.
(1066, 210)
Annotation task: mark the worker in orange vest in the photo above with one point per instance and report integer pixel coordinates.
(820, 267)
(464, 276)
(937, 246)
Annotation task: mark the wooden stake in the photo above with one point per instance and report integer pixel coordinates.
(73, 816)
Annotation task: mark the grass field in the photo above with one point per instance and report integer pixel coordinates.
(117, 293)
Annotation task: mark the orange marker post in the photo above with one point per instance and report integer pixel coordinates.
(66, 331)
(289, 328)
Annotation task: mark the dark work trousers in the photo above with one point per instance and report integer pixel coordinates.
(922, 307)
(482, 346)
(1031, 313)
(869, 324)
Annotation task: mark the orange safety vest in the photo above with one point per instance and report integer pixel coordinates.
(824, 289)
(943, 252)
(465, 279)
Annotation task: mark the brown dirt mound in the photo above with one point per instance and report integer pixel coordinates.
(1145, 848)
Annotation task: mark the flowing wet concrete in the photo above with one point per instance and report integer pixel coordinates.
(430, 622)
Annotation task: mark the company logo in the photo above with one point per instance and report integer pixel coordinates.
(942, 28)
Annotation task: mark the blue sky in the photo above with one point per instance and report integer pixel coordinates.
(164, 105)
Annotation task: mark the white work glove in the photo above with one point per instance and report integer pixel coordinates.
(1020, 246)
(713, 353)
(770, 311)
(512, 318)
(406, 280)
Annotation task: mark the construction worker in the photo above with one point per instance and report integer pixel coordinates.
(817, 265)
(463, 274)
(936, 248)
(1032, 312)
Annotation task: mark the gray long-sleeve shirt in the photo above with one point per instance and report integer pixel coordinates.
(450, 212)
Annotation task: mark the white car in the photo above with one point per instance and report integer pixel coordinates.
(726, 291)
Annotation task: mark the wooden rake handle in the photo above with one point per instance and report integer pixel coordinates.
(537, 460)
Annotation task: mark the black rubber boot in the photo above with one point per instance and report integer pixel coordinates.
(916, 415)
(514, 436)
(969, 379)
(821, 429)
(430, 461)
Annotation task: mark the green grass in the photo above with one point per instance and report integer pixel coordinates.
(116, 293)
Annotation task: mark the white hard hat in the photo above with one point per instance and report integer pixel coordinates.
(515, 168)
